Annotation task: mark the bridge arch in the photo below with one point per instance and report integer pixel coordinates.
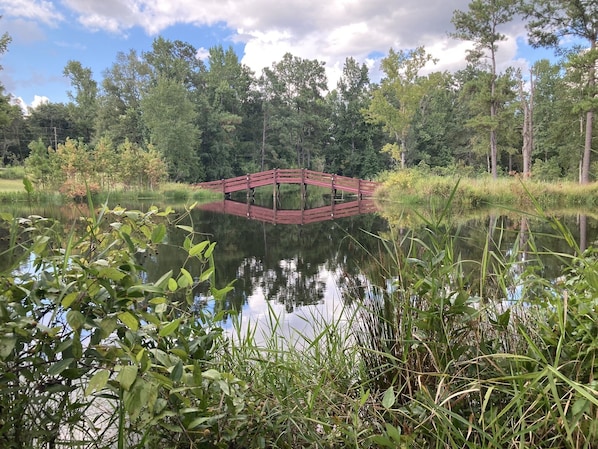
(302, 176)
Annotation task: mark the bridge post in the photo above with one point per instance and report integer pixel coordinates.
(303, 184)
(275, 184)
(333, 186)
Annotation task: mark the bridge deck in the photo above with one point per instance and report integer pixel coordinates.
(292, 176)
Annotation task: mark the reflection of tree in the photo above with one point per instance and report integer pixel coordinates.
(583, 232)
(284, 261)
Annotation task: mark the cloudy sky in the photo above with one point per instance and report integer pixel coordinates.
(47, 34)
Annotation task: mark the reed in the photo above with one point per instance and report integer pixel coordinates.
(435, 352)
(422, 187)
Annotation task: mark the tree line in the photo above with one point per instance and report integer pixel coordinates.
(217, 119)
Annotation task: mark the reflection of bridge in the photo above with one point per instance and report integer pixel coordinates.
(294, 216)
(292, 176)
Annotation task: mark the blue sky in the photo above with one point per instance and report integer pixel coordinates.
(47, 34)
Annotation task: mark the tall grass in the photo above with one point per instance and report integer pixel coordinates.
(436, 351)
(416, 186)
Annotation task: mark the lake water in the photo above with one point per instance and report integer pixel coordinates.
(305, 272)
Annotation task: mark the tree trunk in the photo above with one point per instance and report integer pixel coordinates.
(264, 140)
(493, 144)
(587, 149)
(527, 132)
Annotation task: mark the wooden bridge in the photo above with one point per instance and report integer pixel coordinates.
(303, 176)
(291, 216)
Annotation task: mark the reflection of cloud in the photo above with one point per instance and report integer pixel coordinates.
(297, 327)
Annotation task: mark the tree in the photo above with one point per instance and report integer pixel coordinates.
(13, 135)
(477, 96)
(84, 110)
(298, 118)
(527, 107)
(551, 20)
(169, 115)
(352, 147)
(119, 113)
(52, 122)
(480, 24)
(223, 110)
(439, 130)
(396, 101)
(5, 39)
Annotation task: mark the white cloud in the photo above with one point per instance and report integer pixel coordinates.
(38, 10)
(39, 100)
(202, 54)
(329, 31)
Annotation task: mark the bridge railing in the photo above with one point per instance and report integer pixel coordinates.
(292, 176)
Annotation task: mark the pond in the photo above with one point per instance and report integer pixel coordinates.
(307, 271)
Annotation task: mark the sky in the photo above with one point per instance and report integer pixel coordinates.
(47, 34)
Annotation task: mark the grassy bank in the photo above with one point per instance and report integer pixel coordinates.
(13, 191)
(414, 186)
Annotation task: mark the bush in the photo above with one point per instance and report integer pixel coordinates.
(14, 172)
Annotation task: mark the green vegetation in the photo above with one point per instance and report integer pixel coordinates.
(420, 186)
(161, 114)
(435, 351)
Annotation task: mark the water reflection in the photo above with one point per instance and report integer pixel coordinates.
(300, 270)
(303, 216)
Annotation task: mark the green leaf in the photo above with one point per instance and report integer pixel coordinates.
(172, 285)
(198, 249)
(97, 382)
(138, 397)
(69, 299)
(177, 372)
(579, 406)
(186, 228)
(126, 376)
(185, 280)
(7, 344)
(169, 328)
(211, 374)
(166, 277)
(206, 274)
(198, 422)
(28, 185)
(111, 273)
(129, 320)
(107, 326)
(59, 367)
(503, 318)
(75, 319)
(393, 432)
(210, 250)
(388, 400)
(158, 233)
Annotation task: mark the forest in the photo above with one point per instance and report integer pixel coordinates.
(197, 121)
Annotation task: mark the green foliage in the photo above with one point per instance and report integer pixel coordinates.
(456, 363)
(15, 172)
(395, 103)
(170, 118)
(84, 329)
(75, 168)
(547, 170)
